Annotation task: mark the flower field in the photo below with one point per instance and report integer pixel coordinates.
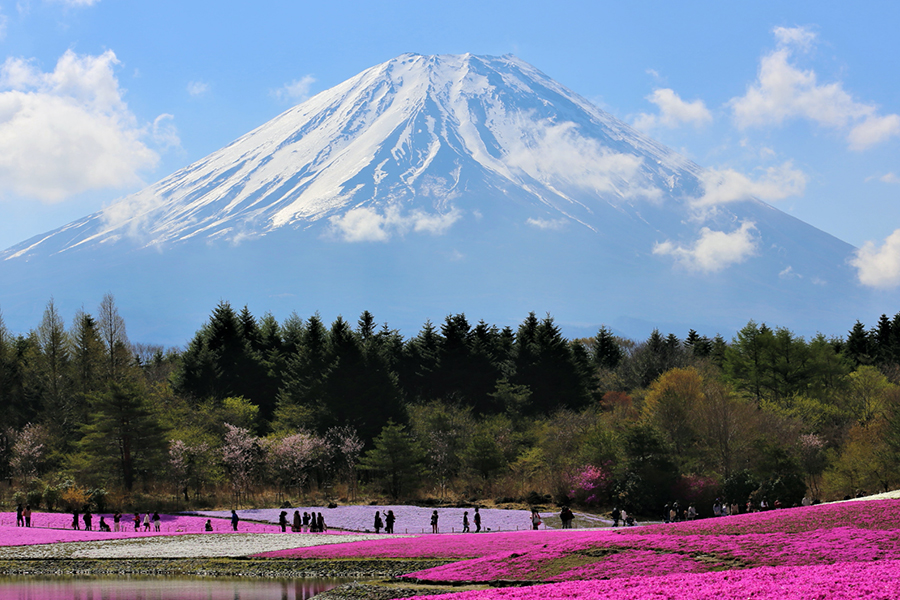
(410, 519)
(831, 551)
(834, 551)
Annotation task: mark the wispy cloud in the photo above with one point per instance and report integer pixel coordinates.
(368, 225)
(197, 88)
(165, 134)
(879, 267)
(295, 91)
(557, 154)
(69, 130)
(554, 224)
(783, 91)
(713, 251)
(722, 186)
(673, 111)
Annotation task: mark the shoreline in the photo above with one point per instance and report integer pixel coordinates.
(245, 568)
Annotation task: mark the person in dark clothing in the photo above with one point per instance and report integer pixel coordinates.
(378, 524)
(234, 520)
(75, 524)
(434, 522)
(298, 523)
(20, 520)
(389, 522)
(88, 518)
(477, 520)
(466, 521)
(282, 520)
(616, 515)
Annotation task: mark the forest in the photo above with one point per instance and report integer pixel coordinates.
(254, 412)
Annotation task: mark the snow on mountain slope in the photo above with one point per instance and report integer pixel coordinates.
(427, 162)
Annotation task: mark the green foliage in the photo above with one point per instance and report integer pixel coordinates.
(121, 440)
(396, 461)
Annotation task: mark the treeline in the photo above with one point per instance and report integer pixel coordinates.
(460, 410)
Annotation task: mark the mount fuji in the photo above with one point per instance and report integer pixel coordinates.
(433, 185)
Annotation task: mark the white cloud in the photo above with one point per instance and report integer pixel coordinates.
(873, 130)
(76, 3)
(295, 91)
(727, 185)
(554, 224)
(673, 111)
(783, 91)
(714, 250)
(165, 134)
(68, 131)
(368, 225)
(197, 88)
(799, 37)
(558, 155)
(879, 267)
(889, 178)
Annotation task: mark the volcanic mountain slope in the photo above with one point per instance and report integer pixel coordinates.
(431, 185)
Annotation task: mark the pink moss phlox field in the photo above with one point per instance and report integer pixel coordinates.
(872, 514)
(630, 562)
(47, 528)
(815, 536)
(843, 581)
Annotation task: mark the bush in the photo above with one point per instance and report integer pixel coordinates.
(73, 497)
(97, 498)
(51, 497)
(34, 498)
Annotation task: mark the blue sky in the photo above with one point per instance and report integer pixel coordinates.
(797, 102)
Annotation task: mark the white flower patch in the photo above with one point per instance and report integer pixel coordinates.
(210, 545)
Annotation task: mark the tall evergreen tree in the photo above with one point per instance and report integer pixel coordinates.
(121, 427)
(607, 351)
(859, 346)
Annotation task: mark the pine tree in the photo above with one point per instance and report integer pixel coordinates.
(121, 427)
(859, 346)
(607, 351)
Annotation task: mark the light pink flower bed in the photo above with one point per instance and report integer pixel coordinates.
(842, 581)
(49, 528)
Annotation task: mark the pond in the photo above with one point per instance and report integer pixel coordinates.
(138, 588)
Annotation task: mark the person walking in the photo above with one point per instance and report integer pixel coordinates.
(616, 515)
(75, 524)
(117, 518)
(156, 520)
(434, 521)
(88, 520)
(26, 514)
(146, 521)
(477, 519)
(137, 521)
(234, 520)
(466, 521)
(20, 520)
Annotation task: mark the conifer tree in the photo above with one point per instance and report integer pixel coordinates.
(607, 351)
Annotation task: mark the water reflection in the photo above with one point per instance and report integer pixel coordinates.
(162, 589)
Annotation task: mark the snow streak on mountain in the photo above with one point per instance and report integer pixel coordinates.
(430, 185)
